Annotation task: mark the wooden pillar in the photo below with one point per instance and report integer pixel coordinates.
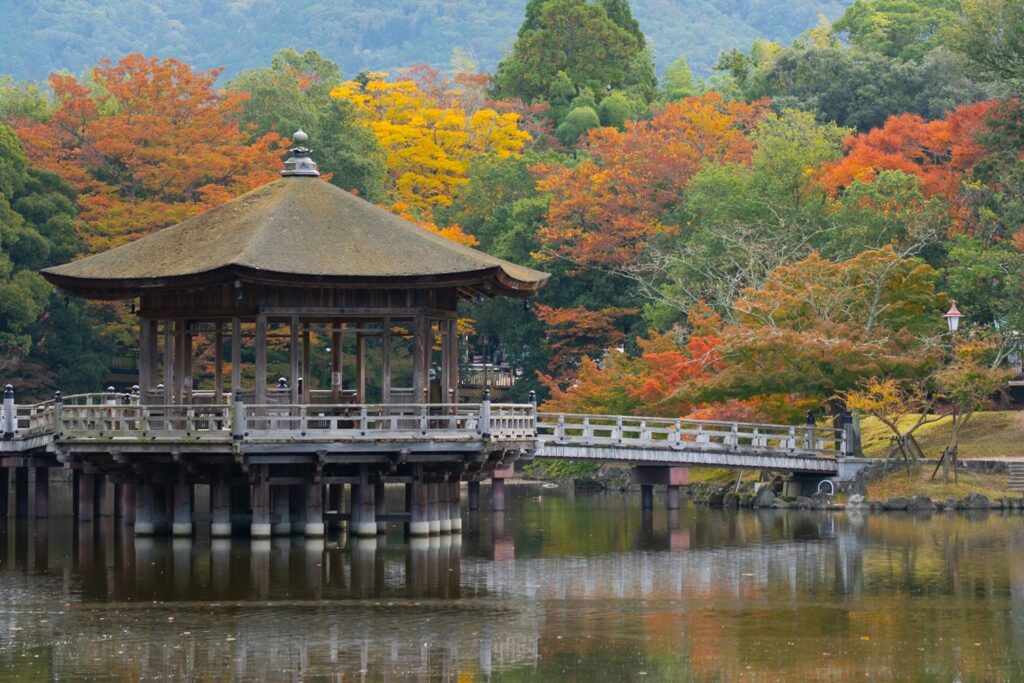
(86, 496)
(646, 496)
(220, 503)
(419, 523)
(455, 506)
(336, 365)
(363, 499)
(260, 495)
(473, 489)
(450, 355)
(5, 489)
(100, 491)
(218, 363)
(186, 367)
(293, 357)
(261, 360)
(236, 354)
(181, 524)
(420, 362)
(497, 495)
(145, 509)
(279, 497)
(168, 362)
(21, 491)
(672, 497)
(360, 365)
(128, 501)
(432, 512)
(385, 362)
(314, 527)
(42, 493)
(380, 507)
(147, 357)
(444, 521)
(307, 374)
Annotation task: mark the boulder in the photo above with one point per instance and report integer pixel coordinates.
(779, 504)
(973, 501)
(746, 499)
(803, 503)
(764, 498)
(859, 485)
(895, 504)
(730, 500)
(856, 501)
(921, 503)
(715, 497)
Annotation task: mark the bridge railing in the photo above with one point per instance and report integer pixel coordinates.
(96, 416)
(614, 430)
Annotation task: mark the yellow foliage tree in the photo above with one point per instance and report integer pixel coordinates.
(428, 140)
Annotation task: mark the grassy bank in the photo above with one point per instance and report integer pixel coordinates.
(997, 434)
(900, 484)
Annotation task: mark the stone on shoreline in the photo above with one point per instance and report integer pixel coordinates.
(974, 501)
(764, 497)
(895, 504)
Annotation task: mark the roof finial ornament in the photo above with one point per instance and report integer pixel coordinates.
(299, 164)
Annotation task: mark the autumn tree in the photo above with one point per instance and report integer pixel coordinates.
(428, 139)
(146, 143)
(606, 209)
(817, 327)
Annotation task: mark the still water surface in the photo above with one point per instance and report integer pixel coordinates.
(560, 587)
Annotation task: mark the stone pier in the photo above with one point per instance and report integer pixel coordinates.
(671, 477)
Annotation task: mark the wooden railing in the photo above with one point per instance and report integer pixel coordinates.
(613, 430)
(121, 417)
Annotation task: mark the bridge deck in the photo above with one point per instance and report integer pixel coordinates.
(99, 424)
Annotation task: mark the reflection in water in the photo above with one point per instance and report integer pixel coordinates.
(556, 587)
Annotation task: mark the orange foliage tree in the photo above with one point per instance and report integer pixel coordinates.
(939, 152)
(604, 210)
(147, 143)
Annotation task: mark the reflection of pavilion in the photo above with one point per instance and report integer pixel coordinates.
(354, 307)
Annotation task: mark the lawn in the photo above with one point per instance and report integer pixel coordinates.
(996, 434)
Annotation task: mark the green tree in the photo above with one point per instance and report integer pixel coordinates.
(677, 82)
(904, 29)
(991, 37)
(293, 93)
(577, 122)
(595, 51)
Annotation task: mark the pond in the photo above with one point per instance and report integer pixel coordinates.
(558, 587)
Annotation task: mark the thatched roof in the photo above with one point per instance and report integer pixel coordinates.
(295, 230)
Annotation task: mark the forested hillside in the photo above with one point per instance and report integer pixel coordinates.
(51, 35)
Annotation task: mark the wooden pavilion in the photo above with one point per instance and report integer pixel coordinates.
(361, 303)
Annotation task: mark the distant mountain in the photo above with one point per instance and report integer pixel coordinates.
(41, 36)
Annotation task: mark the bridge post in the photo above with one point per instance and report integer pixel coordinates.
(646, 496)
(455, 500)
(145, 509)
(380, 505)
(237, 415)
(5, 488)
(21, 491)
(443, 507)
(220, 504)
(432, 514)
(86, 496)
(419, 523)
(314, 527)
(533, 410)
(181, 524)
(672, 497)
(497, 495)
(473, 490)
(42, 493)
(485, 415)
(260, 527)
(58, 409)
(100, 491)
(280, 500)
(128, 499)
(363, 507)
(10, 422)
